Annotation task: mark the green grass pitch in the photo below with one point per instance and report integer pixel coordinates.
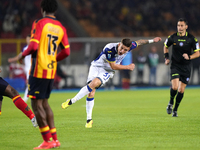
(123, 120)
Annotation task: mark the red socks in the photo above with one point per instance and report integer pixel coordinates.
(20, 104)
(46, 134)
(53, 133)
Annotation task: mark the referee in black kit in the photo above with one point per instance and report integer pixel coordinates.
(184, 48)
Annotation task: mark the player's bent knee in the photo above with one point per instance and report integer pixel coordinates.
(181, 90)
(99, 83)
(10, 92)
(91, 94)
(175, 87)
(96, 83)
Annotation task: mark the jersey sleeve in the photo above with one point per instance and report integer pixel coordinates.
(33, 42)
(64, 43)
(168, 42)
(195, 45)
(32, 29)
(36, 32)
(134, 45)
(110, 56)
(65, 48)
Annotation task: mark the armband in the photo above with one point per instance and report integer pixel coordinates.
(189, 57)
(151, 41)
(166, 55)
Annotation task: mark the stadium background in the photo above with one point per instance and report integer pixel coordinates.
(91, 24)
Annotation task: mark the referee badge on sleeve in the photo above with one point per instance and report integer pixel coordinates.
(197, 45)
(166, 41)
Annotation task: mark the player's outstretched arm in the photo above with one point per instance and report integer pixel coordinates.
(157, 39)
(115, 66)
(32, 47)
(16, 58)
(154, 40)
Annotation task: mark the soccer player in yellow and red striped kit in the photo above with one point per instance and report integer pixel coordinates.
(46, 35)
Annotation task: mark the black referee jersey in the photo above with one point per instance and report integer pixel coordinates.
(180, 45)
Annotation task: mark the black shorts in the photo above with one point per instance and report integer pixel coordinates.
(3, 85)
(181, 71)
(39, 88)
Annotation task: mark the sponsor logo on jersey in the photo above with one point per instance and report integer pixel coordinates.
(183, 40)
(166, 41)
(109, 55)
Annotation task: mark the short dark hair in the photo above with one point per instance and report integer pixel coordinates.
(49, 6)
(183, 19)
(126, 42)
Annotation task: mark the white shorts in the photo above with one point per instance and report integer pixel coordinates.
(101, 73)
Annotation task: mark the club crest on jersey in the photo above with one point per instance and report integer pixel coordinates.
(133, 44)
(181, 43)
(109, 55)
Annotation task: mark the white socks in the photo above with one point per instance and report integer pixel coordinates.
(89, 101)
(89, 107)
(84, 91)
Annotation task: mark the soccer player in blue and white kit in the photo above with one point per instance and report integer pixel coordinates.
(27, 66)
(103, 68)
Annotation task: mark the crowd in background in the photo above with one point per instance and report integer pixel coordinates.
(108, 18)
(114, 18)
(16, 16)
(138, 17)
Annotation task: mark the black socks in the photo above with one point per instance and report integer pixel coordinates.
(70, 102)
(179, 97)
(172, 95)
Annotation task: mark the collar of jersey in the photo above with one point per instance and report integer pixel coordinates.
(50, 16)
(116, 48)
(185, 34)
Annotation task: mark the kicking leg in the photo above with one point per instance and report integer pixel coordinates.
(19, 103)
(84, 91)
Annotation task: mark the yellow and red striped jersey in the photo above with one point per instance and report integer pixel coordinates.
(48, 33)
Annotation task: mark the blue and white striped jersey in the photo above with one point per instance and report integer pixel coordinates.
(109, 54)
